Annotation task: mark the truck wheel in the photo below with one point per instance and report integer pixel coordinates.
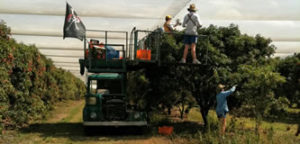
(88, 131)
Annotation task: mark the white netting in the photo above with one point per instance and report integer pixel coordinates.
(40, 22)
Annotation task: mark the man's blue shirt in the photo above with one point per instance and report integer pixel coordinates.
(222, 101)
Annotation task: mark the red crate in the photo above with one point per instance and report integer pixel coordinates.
(165, 130)
(143, 54)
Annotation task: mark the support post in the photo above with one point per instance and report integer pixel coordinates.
(105, 46)
(126, 46)
(135, 43)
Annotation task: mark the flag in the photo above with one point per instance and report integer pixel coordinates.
(73, 26)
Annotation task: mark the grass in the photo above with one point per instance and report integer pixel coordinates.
(74, 115)
(64, 127)
(242, 130)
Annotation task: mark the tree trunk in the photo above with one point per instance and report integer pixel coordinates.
(169, 110)
(181, 113)
(204, 113)
(182, 108)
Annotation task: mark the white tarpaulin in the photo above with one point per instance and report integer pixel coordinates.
(40, 22)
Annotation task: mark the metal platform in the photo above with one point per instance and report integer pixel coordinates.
(128, 59)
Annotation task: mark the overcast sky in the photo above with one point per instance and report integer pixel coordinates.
(33, 21)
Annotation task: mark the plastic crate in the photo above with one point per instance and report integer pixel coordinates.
(165, 130)
(143, 54)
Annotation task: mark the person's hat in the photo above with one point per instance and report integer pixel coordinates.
(220, 86)
(168, 17)
(192, 8)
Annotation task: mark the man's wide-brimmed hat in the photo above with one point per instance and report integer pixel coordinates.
(192, 7)
(220, 86)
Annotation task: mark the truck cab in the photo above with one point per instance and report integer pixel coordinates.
(106, 103)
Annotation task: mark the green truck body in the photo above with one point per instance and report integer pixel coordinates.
(106, 102)
(106, 99)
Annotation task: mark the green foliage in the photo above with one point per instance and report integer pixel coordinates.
(257, 84)
(228, 57)
(185, 102)
(30, 83)
(290, 68)
(230, 47)
(277, 107)
(229, 52)
(137, 88)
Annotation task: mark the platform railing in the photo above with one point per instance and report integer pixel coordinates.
(105, 34)
(141, 37)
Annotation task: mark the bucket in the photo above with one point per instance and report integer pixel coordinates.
(165, 130)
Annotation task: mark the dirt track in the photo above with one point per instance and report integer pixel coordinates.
(64, 126)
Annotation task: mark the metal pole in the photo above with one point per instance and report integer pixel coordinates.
(89, 56)
(157, 47)
(126, 45)
(123, 60)
(135, 43)
(105, 47)
(84, 47)
(131, 44)
(207, 42)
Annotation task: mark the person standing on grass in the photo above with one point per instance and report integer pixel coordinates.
(222, 107)
(192, 23)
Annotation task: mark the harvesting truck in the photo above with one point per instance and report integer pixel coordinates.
(106, 98)
(106, 65)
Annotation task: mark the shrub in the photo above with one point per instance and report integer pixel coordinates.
(278, 107)
(29, 83)
(290, 68)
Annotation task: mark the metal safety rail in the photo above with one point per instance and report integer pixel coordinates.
(106, 36)
(144, 49)
(105, 64)
(151, 41)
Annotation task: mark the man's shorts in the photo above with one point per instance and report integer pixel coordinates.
(222, 115)
(189, 39)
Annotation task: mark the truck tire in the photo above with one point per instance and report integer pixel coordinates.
(88, 131)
